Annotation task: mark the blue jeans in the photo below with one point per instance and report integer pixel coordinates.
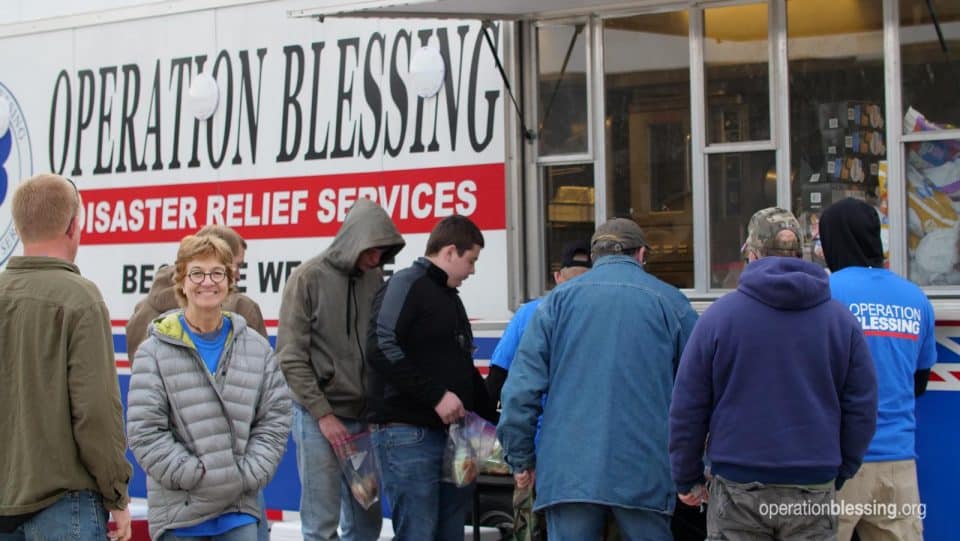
(77, 516)
(423, 508)
(243, 533)
(325, 497)
(585, 522)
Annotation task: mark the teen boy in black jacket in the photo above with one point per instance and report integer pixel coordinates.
(422, 378)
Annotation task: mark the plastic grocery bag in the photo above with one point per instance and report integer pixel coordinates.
(459, 458)
(495, 464)
(482, 435)
(470, 441)
(359, 465)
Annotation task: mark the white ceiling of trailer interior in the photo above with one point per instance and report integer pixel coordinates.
(459, 9)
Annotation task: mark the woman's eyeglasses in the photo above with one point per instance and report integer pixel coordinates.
(216, 276)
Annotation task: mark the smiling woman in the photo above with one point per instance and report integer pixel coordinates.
(203, 278)
(204, 367)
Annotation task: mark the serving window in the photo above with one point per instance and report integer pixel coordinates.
(929, 89)
(647, 132)
(689, 118)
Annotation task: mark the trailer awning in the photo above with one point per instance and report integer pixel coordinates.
(452, 9)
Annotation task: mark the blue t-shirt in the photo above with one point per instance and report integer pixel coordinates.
(210, 347)
(216, 526)
(898, 323)
(506, 348)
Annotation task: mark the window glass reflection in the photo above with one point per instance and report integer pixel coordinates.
(933, 201)
(648, 148)
(930, 89)
(740, 184)
(929, 74)
(737, 78)
(837, 125)
(562, 89)
(570, 210)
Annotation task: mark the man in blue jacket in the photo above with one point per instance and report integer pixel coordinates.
(898, 323)
(605, 345)
(781, 379)
(574, 262)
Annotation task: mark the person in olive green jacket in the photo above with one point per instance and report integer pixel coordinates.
(322, 335)
(62, 457)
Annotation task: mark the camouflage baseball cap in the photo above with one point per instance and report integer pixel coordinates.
(618, 232)
(762, 234)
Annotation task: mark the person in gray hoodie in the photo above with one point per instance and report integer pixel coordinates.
(324, 317)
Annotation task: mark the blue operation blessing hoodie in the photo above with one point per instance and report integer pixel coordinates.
(780, 377)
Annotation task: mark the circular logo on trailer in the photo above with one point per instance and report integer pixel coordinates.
(16, 164)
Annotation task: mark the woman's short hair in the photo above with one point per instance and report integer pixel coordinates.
(200, 247)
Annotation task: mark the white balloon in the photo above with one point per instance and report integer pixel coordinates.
(204, 96)
(427, 70)
(4, 115)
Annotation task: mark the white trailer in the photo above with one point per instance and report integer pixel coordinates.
(173, 115)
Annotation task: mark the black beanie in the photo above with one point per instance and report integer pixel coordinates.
(850, 235)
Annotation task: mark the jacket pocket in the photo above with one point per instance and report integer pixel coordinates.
(188, 474)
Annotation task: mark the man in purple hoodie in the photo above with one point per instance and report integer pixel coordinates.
(780, 378)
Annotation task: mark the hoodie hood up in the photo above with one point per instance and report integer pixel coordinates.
(366, 226)
(850, 235)
(785, 283)
(328, 300)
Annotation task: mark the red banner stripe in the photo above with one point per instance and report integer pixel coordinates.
(294, 207)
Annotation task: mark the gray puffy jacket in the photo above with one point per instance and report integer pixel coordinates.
(207, 442)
